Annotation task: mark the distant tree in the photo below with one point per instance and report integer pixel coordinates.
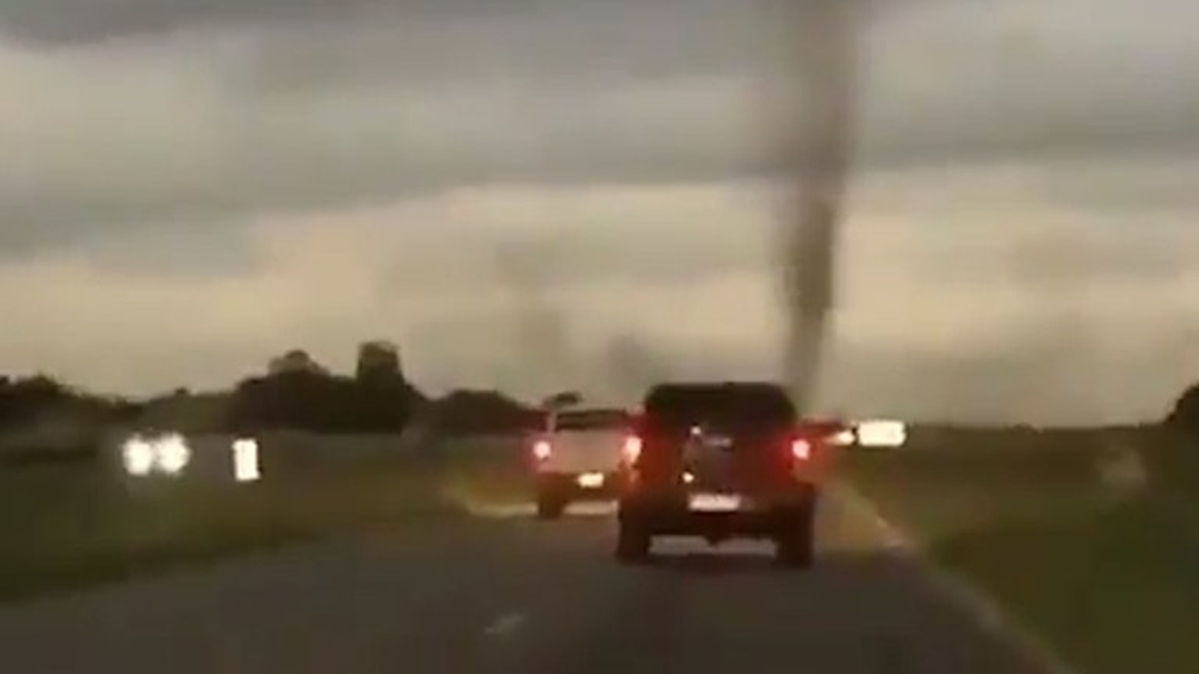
(284, 398)
(296, 393)
(471, 411)
(379, 360)
(315, 401)
(1185, 414)
(295, 360)
(24, 399)
(563, 399)
(125, 411)
(41, 414)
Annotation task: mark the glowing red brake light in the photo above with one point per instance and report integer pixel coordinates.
(542, 450)
(631, 448)
(801, 449)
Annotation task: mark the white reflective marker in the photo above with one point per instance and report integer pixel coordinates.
(882, 433)
(245, 460)
(505, 625)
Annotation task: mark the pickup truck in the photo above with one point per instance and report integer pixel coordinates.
(577, 457)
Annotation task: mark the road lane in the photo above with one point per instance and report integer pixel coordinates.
(511, 594)
(864, 608)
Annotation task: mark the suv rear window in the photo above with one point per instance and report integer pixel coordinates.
(590, 420)
(731, 405)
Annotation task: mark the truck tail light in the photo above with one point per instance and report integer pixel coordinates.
(801, 449)
(631, 449)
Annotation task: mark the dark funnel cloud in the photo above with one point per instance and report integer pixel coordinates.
(824, 62)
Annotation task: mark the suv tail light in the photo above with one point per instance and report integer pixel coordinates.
(631, 449)
(801, 449)
(542, 450)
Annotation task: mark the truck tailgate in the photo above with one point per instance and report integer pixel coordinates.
(576, 451)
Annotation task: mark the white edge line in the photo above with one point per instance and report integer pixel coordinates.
(505, 625)
(983, 608)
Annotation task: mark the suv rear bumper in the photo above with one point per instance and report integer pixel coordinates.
(761, 517)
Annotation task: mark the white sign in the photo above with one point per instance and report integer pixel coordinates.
(882, 433)
(245, 460)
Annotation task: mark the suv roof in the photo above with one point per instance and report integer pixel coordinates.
(728, 390)
(723, 401)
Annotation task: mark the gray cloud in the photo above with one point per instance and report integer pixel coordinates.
(669, 253)
(170, 154)
(196, 251)
(1034, 376)
(76, 21)
(1067, 259)
(84, 21)
(215, 125)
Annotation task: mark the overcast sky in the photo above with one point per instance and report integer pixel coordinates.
(192, 186)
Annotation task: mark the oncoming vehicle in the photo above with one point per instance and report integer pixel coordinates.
(719, 461)
(577, 457)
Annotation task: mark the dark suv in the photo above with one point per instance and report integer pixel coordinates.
(719, 460)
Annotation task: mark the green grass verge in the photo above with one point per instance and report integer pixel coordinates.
(1115, 591)
(63, 528)
(1109, 581)
(487, 469)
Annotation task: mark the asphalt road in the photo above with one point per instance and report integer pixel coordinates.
(509, 594)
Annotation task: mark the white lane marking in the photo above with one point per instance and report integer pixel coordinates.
(984, 609)
(527, 510)
(501, 510)
(505, 625)
(671, 545)
(593, 508)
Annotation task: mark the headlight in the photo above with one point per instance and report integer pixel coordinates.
(167, 454)
(138, 456)
(172, 454)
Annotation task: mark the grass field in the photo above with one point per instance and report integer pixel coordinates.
(1106, 576)
(63, 527)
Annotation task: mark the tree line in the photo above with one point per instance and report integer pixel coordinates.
(1185, 414)
(323, 402)
(297, 400)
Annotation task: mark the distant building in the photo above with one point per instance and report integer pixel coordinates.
(296, 360)
(379, 359)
